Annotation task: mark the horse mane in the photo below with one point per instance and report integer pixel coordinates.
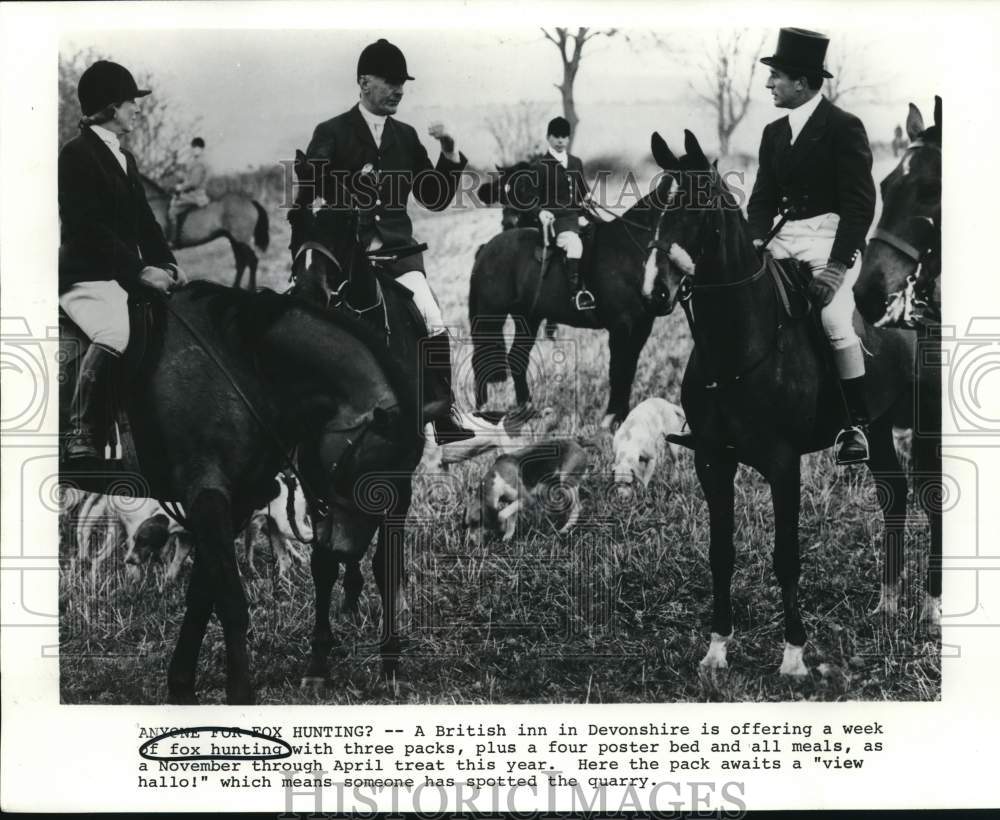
(251, 314)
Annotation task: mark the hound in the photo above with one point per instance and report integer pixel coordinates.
(551, 470)
(640, 444)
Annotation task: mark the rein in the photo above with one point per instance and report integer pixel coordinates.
(687, 289)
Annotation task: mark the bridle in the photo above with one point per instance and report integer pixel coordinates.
(913, 304)
(687, 288)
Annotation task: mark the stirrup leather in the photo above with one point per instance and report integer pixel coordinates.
(840, 441)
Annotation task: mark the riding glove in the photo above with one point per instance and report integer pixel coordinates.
(826, 283)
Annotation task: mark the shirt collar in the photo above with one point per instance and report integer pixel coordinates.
(798, 117)
(370, 118)
(563, 158)
(109, 137)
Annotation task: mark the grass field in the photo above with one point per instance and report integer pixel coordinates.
(616, 612)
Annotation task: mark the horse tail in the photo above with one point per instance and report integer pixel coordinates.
(489, 350)
(261, 230)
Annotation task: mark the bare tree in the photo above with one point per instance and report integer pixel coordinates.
(515, 130)
(727, 81)
(162, 134)
(850, 74)
(570, 45)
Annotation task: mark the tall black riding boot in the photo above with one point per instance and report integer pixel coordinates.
(88, 413)
(437, 367)
(852, 442)
(583, 299)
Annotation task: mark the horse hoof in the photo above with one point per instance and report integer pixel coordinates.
(888, 602)
(931, 614)
(313, 683)
(792, 664)
(715, 658)
(390, 670)
(185, 698)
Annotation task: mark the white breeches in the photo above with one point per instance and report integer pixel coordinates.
(423, 298)
(811, 240)
(100, 309)
(571, 243)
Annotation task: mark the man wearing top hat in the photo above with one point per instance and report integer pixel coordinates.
(367, 159)
(816, 170)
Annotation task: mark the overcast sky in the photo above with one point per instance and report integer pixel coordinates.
(260, 93)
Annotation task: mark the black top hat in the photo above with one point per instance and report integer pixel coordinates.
(106, 83)
(799, 50)
(383, 60)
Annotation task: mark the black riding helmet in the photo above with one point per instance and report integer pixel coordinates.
(106, 83)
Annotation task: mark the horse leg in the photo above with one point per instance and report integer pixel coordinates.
(891, 491)
(716, 473)
(520, 355)
(240, 258)
(211, 518)
(784, 476)
(388, 567)
(251, 260)
(929, 490)
(183, 664)
(353, 584)
(324, 574)
(625, 345)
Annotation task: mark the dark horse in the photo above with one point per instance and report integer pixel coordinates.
(237, 384)
(900, 286)
(509, 188)
(330, 268)
(235, 217)
(758, 389)
(506, 282)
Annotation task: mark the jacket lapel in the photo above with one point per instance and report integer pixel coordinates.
(104, 155)
(362, 131)
(811, 132)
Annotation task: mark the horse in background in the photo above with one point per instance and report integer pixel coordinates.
(506, 281)
(235, 217)
(900, 286)
(510, 189)
(759, 388)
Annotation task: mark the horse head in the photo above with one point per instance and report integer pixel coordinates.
(324, 242)
(695, 209)
(513, 189)
(899, 283)
(358, 465)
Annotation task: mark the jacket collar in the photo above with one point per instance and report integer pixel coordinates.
(104, 155)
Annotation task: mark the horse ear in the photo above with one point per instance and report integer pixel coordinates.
(914, 123)
(693, 149)
(299, 155)
(937, 111)
(662, 154)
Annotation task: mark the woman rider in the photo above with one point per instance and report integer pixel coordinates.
(110, 243)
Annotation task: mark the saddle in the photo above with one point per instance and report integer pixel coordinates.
(146, 320)
(791, 280)
(555, 255)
